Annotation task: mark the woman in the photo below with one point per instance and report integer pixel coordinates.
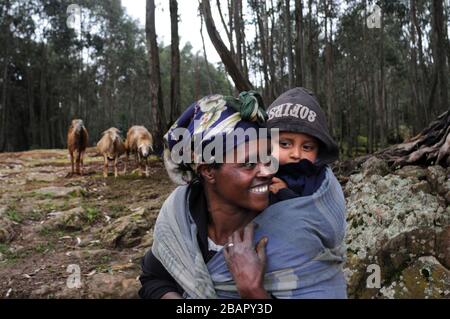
(206, 243)
(220, 199)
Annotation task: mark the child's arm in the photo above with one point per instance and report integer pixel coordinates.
(280, 191)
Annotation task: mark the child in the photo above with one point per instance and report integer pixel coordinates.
(304, 147)
(318, 221)
(307, 194)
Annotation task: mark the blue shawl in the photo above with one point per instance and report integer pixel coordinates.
(305, 253)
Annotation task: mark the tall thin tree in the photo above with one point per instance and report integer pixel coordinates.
(175, 63)
(158, 117)
(299, 63)
(241, 82)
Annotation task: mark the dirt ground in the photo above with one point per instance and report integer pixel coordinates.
(53, 224)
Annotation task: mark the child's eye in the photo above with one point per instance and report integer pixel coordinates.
(285, 144)
(309, 147)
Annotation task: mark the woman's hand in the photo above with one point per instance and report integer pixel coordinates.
(276, 185)
(247, 264)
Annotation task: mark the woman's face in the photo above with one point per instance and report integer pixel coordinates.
(244, 182)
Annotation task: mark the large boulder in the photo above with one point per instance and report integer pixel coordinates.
(411, 171)
(439, 180)
(116, 286)
(424, 278)
(392, 222)
(128, 231)
(56, 191)
(73, 219)
(375, 166)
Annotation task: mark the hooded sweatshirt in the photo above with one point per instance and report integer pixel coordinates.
(298, 111)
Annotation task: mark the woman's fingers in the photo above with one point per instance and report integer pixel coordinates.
(261, 249)
(226, 253)
(236, 237)
(249, 231)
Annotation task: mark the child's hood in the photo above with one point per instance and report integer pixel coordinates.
(298, 110)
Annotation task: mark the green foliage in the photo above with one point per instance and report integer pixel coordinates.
(92, 214)
(14, 215)
(100, 75)
(43, 248)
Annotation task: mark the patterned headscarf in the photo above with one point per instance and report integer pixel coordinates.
(213, 115)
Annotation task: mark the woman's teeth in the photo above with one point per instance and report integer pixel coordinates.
(260, 189)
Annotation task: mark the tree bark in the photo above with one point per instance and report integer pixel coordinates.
(424, 77)
(381, 90)
(264, 51)
(227, 30)
(238, 32)
(241, 82)
(175, 64)
(208, 73)
(439, 52)
(416, 89)
(312, 50)
(4, 106)
(158, 118)
(329, 70)
(299, 63)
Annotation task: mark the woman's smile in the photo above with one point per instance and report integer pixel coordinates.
(261, 189)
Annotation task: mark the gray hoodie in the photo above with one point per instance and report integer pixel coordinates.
(298, 111)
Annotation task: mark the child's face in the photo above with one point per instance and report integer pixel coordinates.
(293, 147)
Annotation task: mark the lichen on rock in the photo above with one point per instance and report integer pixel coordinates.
(393, 220)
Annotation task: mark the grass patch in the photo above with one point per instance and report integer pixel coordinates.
(47, 207)
(36, 215)
(92, 214)
(14, 215)
(116, 209)
(12, 256)
(41, 195)
(43, 248)
(4, 249)
(46, 231)
(77, 193)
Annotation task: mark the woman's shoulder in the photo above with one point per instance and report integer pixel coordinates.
(177, 194)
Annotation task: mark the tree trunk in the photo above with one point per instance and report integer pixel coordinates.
(439, 53)
(329, 71)
(299, 63)
(424, 78)
(44, 142)
(31, 114)
(381, 89)
(290, 58)
(312, 51)
(208, 73)
(238, 31)
(270, 45)
(157, 107)
(175, 64)
(241, 82)
(264, 52)
(227, 30)
(416, 89)
(4, 107)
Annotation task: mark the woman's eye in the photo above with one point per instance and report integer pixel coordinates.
(249, 165)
